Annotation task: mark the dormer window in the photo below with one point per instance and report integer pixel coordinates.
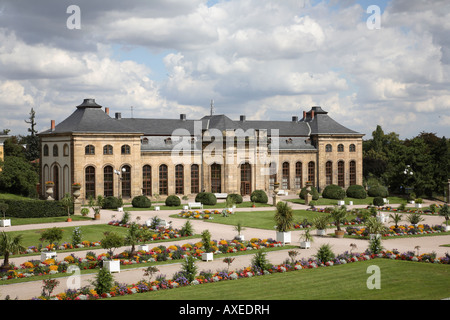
(145, 141)
(289, 141)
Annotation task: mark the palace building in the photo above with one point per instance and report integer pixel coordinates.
(127, 157)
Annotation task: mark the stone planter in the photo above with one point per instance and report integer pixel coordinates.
(5, 223)
(418, 205)
(341, 202)
(49, 191)
(305, 244)
(321, 232)
(48, 255)
(339, 233)
(207, 256)
(284, 237)
(447, 228)
(112, 265)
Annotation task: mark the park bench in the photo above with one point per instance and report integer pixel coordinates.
(282, 193)
(221, 195)
(195, 205)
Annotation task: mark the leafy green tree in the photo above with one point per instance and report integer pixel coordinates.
(9, 245)
(18, 177)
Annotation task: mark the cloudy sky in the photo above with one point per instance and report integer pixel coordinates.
(266, 59)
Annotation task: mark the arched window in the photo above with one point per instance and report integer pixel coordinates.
(147, 180)
(89, 182)
(125, 149)
(352, 148)
(328, 173)
(66, 150)
(89, 149)
(311, 172)
(108, 149)
(341, 148)
(163, 180)
(55, 150)
(179, 179)
(246, 179)
(298, 175)
(126, 182)
(272, 174)
(108, 181)
(352, 170)
(45, 151)
(285, 179)
(145, 141)
(195, 178)
(216, 178)
(328, 148)
(341, 174)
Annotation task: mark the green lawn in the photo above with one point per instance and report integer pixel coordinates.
(24, 221)
(331, 202)
(400, 280)
(261, 219)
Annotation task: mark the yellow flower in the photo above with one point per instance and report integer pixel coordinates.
(69, 259)
(54, 268)
(28, 264)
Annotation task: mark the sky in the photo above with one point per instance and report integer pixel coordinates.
(367, 63)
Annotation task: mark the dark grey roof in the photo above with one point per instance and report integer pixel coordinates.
(321, 123)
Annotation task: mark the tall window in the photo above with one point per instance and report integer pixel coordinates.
(195, 179)
(272, 174)
(108, 149)
(89, 182)
(352, 170)
(89, 149)
(285, 179)
(147, 180)
(55, 150)
(66, 150)
(352, 148)
(246, 179)
(179, 179)
(126, 182)
(45, 150)
(108, 180)
(125, 149)
(341, 174)
(216, 178)
(311, 172)
(163, 180)
(298, 175)
(340, 148)
(328, 173)
(328, 148)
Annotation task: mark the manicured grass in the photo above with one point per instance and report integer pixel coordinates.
(331, 202)
(261, 219)
(218, 205)
(10, 196)
(400, 280)
(24, 221)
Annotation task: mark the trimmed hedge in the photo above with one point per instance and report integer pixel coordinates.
(173, 201)
(206, 198)
(356, 191)
(378, 191)
(237, 198)
(141, 202)
(259, 196)
(378, 201)
(112, 202)
(333, 191)
(35, 208)
(314, 192)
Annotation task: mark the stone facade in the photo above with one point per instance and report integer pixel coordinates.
(130, 157)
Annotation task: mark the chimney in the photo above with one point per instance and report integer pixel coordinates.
(52, 125)
(183, 117)
(107, 110)
(294, 118)
(242, 118)
(118, 116)
(304, 115)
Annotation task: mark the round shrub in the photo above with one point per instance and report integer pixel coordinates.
(173, 201)
(378, 201)
(112, 202)
(314, 192)
(356, 191)
(259, 196)
(141, 202)
(378, 191)
(206, 198)
(333, 191)
(235, 197)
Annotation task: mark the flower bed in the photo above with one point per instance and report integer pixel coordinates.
(162, 283)
(156, 254)
(403, 230)
(205, 214)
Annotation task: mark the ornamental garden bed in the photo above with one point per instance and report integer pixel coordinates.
(163, 284)
(157, 254)
(401, 231)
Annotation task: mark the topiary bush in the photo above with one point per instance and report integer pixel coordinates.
(206, 198)
(378, 191)
(378, 201)
(333, 191)
(141, 202)
(112, 202)
(237, 198)
(259, 196)
(34, 208)
(173, 201)
(314, 192)
(356, 191)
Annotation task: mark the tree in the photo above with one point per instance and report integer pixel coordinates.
(111, 241)
(283, 217)
(18, 177)
(52, 235)
(133, 236)
(67, 202)
(32, 122)
(9, 245)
